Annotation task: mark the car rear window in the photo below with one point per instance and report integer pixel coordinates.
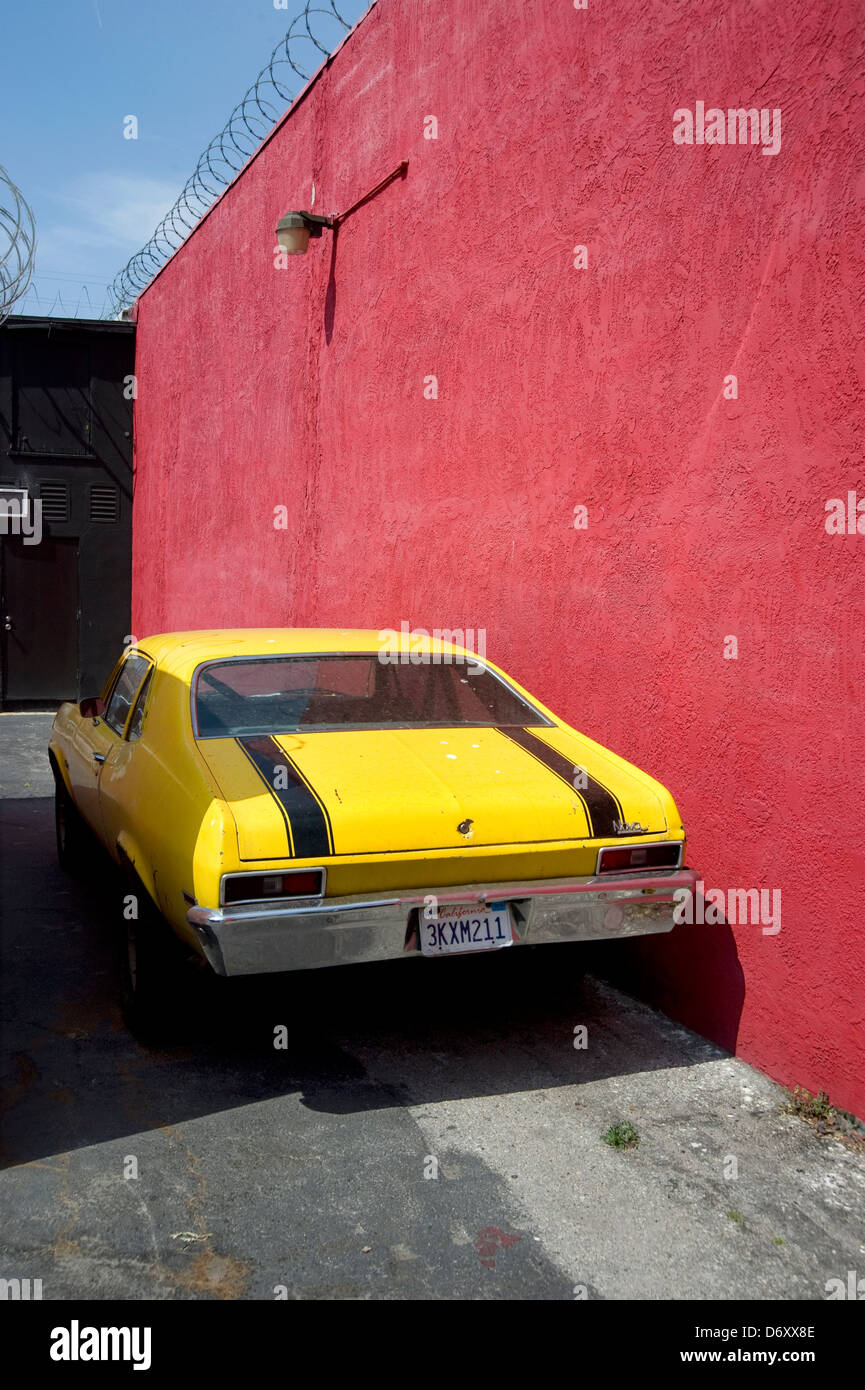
(272, 695)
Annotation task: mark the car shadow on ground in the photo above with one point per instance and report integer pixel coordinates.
(73, 1076)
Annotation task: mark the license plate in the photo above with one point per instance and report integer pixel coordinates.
(460, 928)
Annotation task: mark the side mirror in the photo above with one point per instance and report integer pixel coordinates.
(91, 708)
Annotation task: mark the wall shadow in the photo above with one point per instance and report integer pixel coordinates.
(330, 295)
(692, 974)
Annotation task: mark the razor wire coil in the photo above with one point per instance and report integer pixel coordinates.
(17, 245)
(297, 55)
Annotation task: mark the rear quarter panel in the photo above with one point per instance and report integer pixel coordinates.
(626, 770)
(163, 812)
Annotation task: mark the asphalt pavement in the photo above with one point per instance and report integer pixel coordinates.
(428, 1130)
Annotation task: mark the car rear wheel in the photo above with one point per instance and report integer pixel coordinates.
(73, 837)
(150, 969)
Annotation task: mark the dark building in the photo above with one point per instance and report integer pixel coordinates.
(66, 388)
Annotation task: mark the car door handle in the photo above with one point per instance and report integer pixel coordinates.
(99, 757)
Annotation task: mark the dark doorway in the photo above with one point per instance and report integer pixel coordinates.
(66, 393)
(39, 621)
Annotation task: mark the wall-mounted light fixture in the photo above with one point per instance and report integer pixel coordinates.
(294, 230)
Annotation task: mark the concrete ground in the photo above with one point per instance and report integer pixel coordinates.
(429, 1131)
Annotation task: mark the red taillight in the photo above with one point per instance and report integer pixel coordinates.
(629, 857)
(304, 883)
(614, 859)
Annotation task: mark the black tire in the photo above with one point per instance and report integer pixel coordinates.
(73, 838)
(151, 968)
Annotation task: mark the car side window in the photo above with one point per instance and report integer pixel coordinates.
(125, 689)
(105, 694)
(137, 721)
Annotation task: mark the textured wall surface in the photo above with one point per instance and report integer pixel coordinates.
(303, 387)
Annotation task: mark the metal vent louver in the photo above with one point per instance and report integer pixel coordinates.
(104, 503)
(55, 501)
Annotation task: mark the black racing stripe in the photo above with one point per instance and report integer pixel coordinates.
(265, 767)
(304, 783)
(307, 822)
(602, 807)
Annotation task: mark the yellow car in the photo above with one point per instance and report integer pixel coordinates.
(286, 799)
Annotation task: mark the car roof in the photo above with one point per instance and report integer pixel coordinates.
(181, 652)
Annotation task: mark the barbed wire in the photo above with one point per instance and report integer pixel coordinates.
(17, 245)
(45, 305)
(253, 118)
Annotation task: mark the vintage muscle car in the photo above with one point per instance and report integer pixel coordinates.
(286, 799)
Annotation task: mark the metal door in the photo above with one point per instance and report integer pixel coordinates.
(38, 621)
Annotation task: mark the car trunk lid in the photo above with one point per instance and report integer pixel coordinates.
(413, 790)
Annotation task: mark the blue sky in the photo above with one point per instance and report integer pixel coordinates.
(72, 70)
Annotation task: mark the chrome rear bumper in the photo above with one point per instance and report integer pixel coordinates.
(253, 939)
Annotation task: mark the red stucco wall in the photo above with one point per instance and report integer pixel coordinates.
(558, 386)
